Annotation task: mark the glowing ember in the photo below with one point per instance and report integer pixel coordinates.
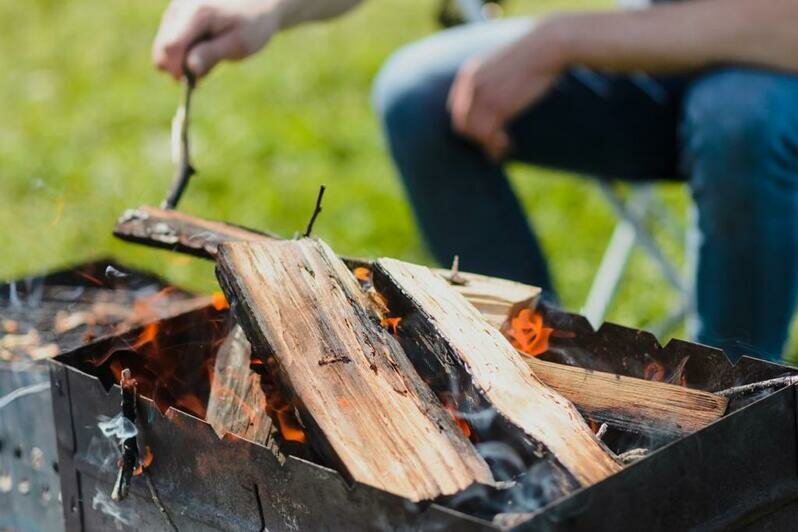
(362, 274)
(218, 301)
(392, 324)
(528, 334)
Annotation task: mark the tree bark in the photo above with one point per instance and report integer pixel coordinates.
(363, 406)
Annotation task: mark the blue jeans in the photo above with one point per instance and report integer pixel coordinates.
(730, 133)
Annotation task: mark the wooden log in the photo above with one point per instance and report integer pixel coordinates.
(180, 232)
(184, 233)
(447, 337)
(363, 406)
(634, 405)
(237, 403)
(494, 298)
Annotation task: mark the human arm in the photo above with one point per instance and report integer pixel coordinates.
(201, 33)
(677, 37)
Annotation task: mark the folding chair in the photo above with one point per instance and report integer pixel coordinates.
(630, 230)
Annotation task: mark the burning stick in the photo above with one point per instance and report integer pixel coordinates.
(130, 448)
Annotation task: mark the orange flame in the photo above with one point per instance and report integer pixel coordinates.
(148, 335)
(392, 324)
(288, 424)
(218, 301)
(362, 274)
(528, 334)
(451, 408)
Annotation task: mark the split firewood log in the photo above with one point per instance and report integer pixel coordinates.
(638, 405)
(364, 407)
(453, 347)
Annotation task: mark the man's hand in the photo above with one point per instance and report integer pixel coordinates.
(199, 33)
(489, 91)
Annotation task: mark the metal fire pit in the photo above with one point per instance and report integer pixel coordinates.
(30, 497)
(741, 472)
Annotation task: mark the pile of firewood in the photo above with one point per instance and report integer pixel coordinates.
(403, 377)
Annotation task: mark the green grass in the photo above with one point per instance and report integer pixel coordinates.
(84, 134)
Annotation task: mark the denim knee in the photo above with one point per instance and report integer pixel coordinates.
(740, 141)
(409, 96)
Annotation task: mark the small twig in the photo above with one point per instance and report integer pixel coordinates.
(157, 501)
(316, 212)
(602, 430)
(758, 386)
(633, 455)
(130, 448)
(180, 145)
(454, 277)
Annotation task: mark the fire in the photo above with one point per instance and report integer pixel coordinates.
(286, 420)
(147, 336)
(172, 359)
(391, 323)
(145, 462)
(278, 407)
(528, 334)
(451, 408)
(362, 274)
(218, 301)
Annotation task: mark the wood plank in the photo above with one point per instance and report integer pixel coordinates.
(237, 403)
(180, 232)
(451, 338)
(363, 406)
(494, 298)
(184, 233)
(634, 405)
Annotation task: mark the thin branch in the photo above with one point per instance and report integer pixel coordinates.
(316, 212)
(759, 386)
(180, 145)
(602, 430)
(454, 277)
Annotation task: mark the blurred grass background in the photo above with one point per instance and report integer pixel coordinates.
(84, 134)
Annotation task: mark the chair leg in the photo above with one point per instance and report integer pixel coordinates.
(610, 271)
(616, 256)
(628, 212)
